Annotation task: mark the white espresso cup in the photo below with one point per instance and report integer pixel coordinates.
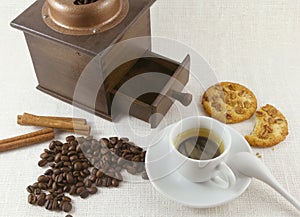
(214, 169)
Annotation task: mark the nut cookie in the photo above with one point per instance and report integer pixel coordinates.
(229, 102)
(270, 129)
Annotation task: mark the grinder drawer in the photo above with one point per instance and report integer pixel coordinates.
(150, 87)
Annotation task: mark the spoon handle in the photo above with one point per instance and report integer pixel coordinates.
(275, 185)
(251, 166)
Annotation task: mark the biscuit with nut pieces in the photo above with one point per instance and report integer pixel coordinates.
(229, 102)
(270, 129)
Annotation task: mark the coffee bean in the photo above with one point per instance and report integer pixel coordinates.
(113, 140)
(44, 155)
(65, 198)
(99, 174)
(37, 191)
(115, 183)
(79, 190)
(84, 194)
(66, 188)
(64, 158)
(42, 185)
(73, 190)
(70, 178)
(52, 145)
(88, 183)
(48, 172)
(30, 189)
(41, 199)
(32, 198)
(50, 158)
(67, 206)
(93, 178)
(69, 216)
(77, 166)
(48, 204)
(98, 182)
(131, 170)
(43, 178)
(42, 162)
(92, 190)
(49, 197)
(70, 138)
(55, 204)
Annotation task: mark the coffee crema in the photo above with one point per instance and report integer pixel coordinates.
(199, 144)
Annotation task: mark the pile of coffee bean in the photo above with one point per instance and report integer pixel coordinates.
(84, 2)
(79, 166)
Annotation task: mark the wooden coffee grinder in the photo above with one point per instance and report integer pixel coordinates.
(63, 36)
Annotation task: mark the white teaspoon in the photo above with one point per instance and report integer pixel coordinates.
(249, 165)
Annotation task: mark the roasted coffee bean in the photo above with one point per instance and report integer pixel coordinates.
(70, 178)
(88, 183)
(70, 138)
(48, 204)
(48, 172)
(92, 190)
(115, 183)
(56, 171)
(52, 145)
(131, 170)
(98, 182)
(84, 194)
(73, 190)
(32, 198)
(79, 184)
(49, 197)
(69, 216)
(79, 190)
(66, 206)
(50, 158)
(55, 204)
(65, 198)
(44, 155)
(77, 166)
(37, 191)
(99, 174)
(73, 157)
(43, 178)
(93, 178)
(66, 188)
(64, 158)
(30, 189)
(41, 199)
(113, 140)
(76, 173)
(42, 162)
(42, 185)
(118, 176)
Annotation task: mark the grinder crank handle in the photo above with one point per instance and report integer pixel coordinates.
(184, 98)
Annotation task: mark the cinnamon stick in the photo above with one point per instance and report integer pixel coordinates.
(26, 140)
(67, 119)
(33, 120)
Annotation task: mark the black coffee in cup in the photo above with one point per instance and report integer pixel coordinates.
(199, 144)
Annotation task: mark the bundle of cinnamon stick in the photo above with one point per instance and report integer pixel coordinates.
(76, 125)
(26, 139)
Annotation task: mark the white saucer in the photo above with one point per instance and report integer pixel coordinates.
(173, 185)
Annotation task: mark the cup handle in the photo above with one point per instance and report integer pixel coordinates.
(224, 177)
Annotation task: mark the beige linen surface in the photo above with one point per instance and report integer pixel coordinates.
(253, 42)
